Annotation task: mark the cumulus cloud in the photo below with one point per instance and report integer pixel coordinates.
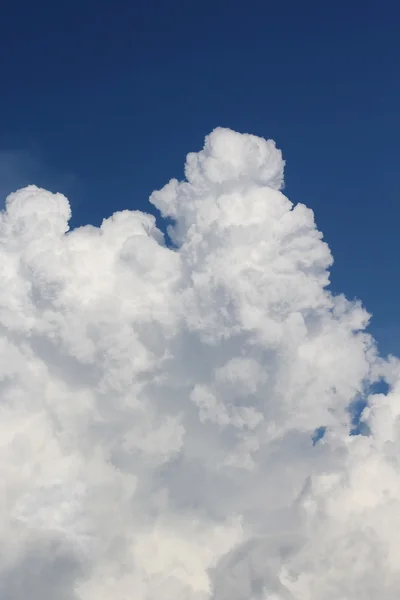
(159, 403)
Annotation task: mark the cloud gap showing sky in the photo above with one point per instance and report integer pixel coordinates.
(176, 418)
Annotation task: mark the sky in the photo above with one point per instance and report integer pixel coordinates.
(102, 101)
(198, 413)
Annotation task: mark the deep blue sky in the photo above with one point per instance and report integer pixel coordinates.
(102, 100)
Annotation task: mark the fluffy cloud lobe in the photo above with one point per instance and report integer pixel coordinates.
(160, 402)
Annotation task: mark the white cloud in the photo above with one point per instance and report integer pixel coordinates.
(158, 404)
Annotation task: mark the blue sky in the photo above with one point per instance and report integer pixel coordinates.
(102, 101)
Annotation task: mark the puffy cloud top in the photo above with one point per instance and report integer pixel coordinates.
(229, 162)
(159, 405)
(229, 157)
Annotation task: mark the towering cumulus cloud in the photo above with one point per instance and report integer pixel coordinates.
(160, 402)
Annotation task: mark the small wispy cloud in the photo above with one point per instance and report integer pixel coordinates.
(20, 168)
